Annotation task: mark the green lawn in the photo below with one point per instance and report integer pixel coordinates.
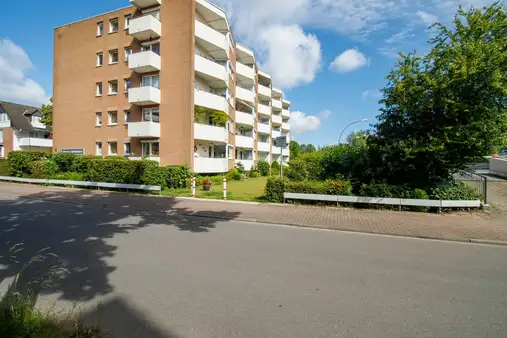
(251, 189)
(4, 171)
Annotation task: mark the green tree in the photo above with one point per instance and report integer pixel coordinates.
(47, 113)
(357, 139)
(295, 149)
(307, 148)
(447, 109)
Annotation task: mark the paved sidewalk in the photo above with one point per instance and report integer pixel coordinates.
(462, 227)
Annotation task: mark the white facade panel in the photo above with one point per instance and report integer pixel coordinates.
(145, 62)
(210, 35)
(143, 96)
(244, 94)
(144, 129)
(145, 27)
(264, 110)
(210, 68)
(210, 165)
(263, 146)
(244, 142)
(244, 118)
(209, 100)
(210, 133)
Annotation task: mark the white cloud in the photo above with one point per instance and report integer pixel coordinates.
(325, 114)
(426, 17)
(349, 60)
(292, 57)
(374, 93)
(300, 122)
(14, 84)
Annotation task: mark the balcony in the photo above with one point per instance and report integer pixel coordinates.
(145, 3)
(35, 142)
(144, 96)
(276, 151)
(276, 119)
(277, 93)
(144, 129)
(145, 28)
(264, 147)
(215, 74)
(285, 113)
(263, 128)
(244, 141)
(244, 118)
(265, 92)
(245, 94)
(247, 164)
(275, 133)
(209, 100)
(285, 151)
(210, 165)
(244, 72)
(145, 62)
(264, 110)
(210, 133)
(277, 105)
(286, 126)
(211, 40)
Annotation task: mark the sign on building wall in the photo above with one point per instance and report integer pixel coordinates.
(75, 151)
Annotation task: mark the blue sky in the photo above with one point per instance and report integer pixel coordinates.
(330, 56)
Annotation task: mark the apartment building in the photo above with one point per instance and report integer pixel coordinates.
(21, 129)
(129, 83)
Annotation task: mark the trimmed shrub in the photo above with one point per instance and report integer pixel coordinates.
(119, 158)
(275, 187)
(19, 161)
(393, 191)
(177, 177)
(454, 191)
(253, 174)
(297, 170)
(310, 163)
(68, 176)
(275, 168)
(330, 187)
(240, 167)
(43, 169)
(233, 174)
(150, 173)
(263, 168)
(64, 161)
(81, 164)
(114, 171)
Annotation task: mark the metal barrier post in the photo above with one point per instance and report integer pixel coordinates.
(192, 184)
(485, 189)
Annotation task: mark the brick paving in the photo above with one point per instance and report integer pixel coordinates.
(462, 227)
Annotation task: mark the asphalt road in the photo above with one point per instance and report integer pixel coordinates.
(166, 276)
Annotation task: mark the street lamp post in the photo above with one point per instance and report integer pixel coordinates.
(348, 125)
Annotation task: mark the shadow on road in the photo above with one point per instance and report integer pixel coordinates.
(76, 226)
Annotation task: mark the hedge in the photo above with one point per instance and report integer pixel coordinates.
(19, 161)
(43, 168)
(275, 187)
(149, 172)
(177, 176)
(114, 171)
(64, 161)
(454, 191)
(263, 168)
(81, 164)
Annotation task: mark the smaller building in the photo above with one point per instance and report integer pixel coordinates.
(21, 129)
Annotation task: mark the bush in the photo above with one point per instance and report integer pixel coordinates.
(275, 168)
(275, 187)
(81, 164)
(219, 118)
(240, 167)
(177, 177)
(393, 191)
(150, 173)
(119, 158)
(19, 161)
(263, 168)
(310, 164)
(297, 170)
(64, 161)
(43, 169)
(68, 176)
(253, 174)
(114, 171)
(330, 187)
(233, 174)
(454, 191)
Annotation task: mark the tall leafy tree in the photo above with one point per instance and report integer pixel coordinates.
(295, 149)
(448, 109)
(357, 139)
(307, 148)
(47, 113)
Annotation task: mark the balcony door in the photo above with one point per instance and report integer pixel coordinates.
(151, 81)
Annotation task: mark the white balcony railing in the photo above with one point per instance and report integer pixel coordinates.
(285, 151)
(211, 36)
(244, 141)
(144, 129)
(264, 147)
(245, 71)
(35, 142)
(276, 151)
(209, 100)
(264, 110)
(264, 91)
(210, 165)
(210, 68)
(285, 126)
(263, 128)
(244, 94)
(210, 133)
(144, 96)
(275, 133)
(276, 119)
(277, 104)
(247, 164)
(244, 118)
(145, 28)
(145, 3)
(145, 62)
(285, 113)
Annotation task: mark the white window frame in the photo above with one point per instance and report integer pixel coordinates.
(127, 117)
(112, 52)
(111, 92)
(125, 152)
(128, 17)
(128, 52)
(98, 119)
(110, 115)
(109, 148)
(98, 89)
(151, 81)
(98, 148)
(100, 28)
(111, 21)
(4, 117)
(100, 59)
(150, 148)
(150, 113)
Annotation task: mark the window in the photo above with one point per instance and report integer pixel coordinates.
(113, 56)
(4, 117)
(113, 25)
(150, 148)
(98, 148)
(113, 87)
(127, 21)
(38, 134)
(1, 150)
(154, 47)
(151, 81)
(98, 119)
(113, 118)
(128, 85)
(100, 59)
(100, 28)
(151, 115)
(128, 52)
(113, 148)
(127, 150)
(126, 116)
(99, 89)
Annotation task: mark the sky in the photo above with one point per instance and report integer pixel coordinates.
(330, 57)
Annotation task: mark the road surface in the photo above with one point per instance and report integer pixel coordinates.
(160, 275)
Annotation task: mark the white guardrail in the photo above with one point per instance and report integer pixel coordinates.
(83, 184)
(386, 201)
